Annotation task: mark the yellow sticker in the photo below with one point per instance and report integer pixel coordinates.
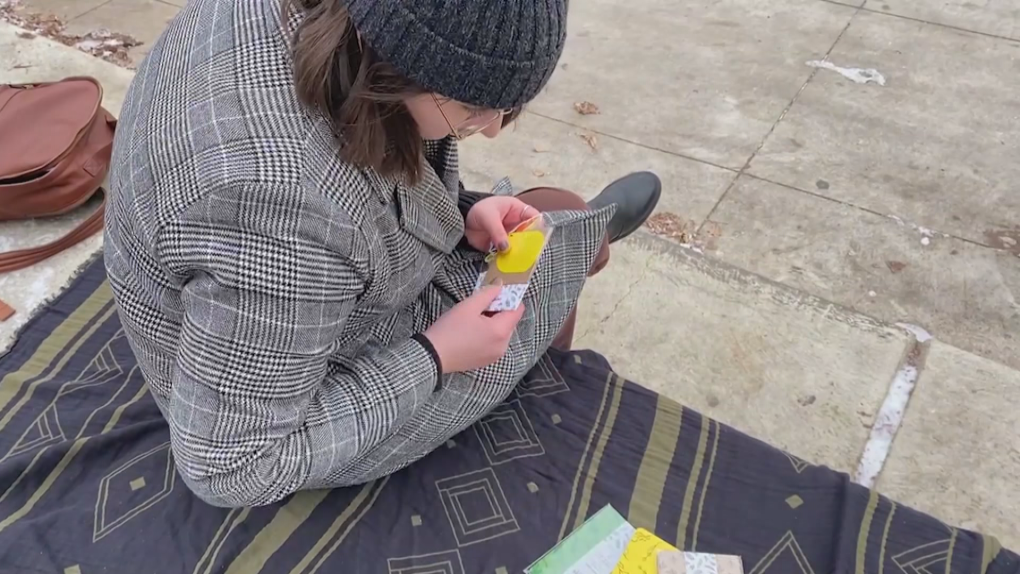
(525, 247)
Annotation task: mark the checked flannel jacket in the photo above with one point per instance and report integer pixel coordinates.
(271, 291)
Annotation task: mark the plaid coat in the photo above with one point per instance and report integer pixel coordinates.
(271, 290)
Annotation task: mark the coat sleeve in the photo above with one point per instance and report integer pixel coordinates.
(467, 199)
(258, 409)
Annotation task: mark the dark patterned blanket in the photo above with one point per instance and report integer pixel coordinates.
(88, 486)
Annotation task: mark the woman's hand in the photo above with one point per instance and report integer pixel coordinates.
(489, 220)
(467, 337)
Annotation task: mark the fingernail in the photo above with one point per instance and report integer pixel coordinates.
(504, 245)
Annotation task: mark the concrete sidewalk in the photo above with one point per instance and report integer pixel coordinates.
(831, 171)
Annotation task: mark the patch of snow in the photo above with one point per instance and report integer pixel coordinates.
(887, 423)
(41, 288)
(919, 333)
(927, 234)
(855, 75)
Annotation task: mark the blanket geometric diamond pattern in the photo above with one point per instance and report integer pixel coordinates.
(88, 483)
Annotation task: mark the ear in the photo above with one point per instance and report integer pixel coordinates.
(511, 116)
(492, 130)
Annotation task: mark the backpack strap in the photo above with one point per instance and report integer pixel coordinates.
(22, 258)
(15, 260)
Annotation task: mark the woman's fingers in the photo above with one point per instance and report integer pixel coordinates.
(495, 216)
(491, 221)
(518, 212)
(506, 321)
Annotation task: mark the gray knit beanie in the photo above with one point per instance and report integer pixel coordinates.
(493, 53)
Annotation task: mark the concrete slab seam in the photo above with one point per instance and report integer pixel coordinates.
(751, 282)
(865, 8)
(847, 4)
(631, 142)
(894, 407)
(782, 116)
(90, 10)
(626, 295)
(926, 232)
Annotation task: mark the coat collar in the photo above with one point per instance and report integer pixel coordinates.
(427, 210)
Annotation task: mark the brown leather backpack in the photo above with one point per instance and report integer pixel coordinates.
(55, 145)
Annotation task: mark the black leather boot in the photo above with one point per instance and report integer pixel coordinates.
(635, 196)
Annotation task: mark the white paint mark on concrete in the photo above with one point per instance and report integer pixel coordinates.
(920, 333)
(887, 423)
(856, 75)
(926, 241)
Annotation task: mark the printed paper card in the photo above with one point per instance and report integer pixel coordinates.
(594, 548)
(699, 563)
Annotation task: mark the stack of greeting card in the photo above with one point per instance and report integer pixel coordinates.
(607, 544)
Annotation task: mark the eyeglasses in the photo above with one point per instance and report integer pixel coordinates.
(476, 122)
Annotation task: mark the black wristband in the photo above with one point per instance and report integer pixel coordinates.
(431, 350)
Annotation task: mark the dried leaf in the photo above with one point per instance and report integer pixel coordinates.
(896, 266)
(592, 140)
(541, 149)
(711, 229)
(104, 44)
(673, 226)
(586, 108)
(711, 232)
(539, 173)
(1008, 239)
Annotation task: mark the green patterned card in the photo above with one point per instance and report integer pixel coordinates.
(594, 548)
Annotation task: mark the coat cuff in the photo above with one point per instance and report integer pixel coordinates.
(467, 199)
(431, 350)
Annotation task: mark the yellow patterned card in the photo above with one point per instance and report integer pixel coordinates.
(641, 555)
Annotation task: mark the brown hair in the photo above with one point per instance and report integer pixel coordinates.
(360, 94)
